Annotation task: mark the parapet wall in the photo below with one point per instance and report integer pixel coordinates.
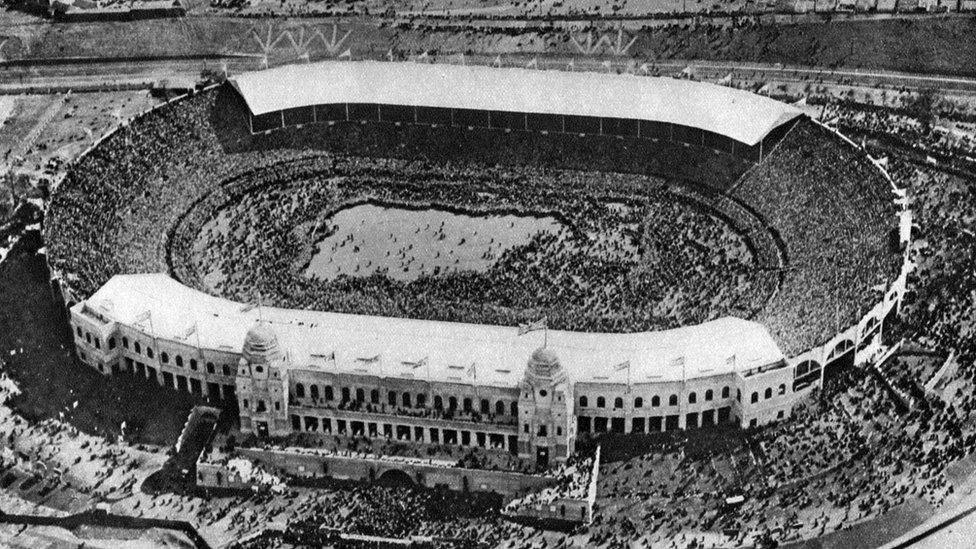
(369, 469)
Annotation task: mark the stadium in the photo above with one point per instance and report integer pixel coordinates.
(662, 254)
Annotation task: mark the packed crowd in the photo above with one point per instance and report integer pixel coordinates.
(574, 482)
(619, 268)
(836, 214)
(361, 446)
(635, 258)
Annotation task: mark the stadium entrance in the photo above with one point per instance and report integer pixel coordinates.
(542, 456)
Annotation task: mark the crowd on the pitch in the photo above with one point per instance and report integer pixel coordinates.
(635, 257)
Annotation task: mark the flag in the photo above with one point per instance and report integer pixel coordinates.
(532, 326)
(606, 65)
(144, 316)
(389, 54)
(423, 57)
(625, 365)
(498, 61)
(473, 371)
(644, 68)
(346, 54)
(419, 364)
(572, 65)
(730, 362)
(678, 362)
(249, 307)
(190, 331)
(461, 58)
(371, 360)
(533, 64)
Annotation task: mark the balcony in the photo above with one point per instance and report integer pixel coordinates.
(357, 407)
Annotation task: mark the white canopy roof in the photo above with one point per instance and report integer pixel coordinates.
(737, 114)
(391, 346)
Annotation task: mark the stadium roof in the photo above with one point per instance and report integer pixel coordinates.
(184, 315)
(740, 115)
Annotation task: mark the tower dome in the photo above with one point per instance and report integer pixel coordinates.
(543, 364)
(261, 344)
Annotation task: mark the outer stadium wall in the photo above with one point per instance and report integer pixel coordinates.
(565, 150)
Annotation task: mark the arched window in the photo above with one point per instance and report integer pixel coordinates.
(149, 352)
(638, 402)
(618, 402)
(438, 402)
(314, 390)
(725, 392)
(421, 400)
(345, 394)
(601, 402)
(329, 395)
(782, 389)
(125, 341)
(406, 400)
(452, 403)
(299, 390)
(499, 408)
(211, 369)
(226, 369)
(88, 337)
(754, 398)
(584, 402)
(98, 343)
(709, 395)
(515, 409)
(655, 401)
(391, 398)
(78, 330)
(768, 392)
(179, 361)
(467, 404)
(193, 364)
(374, 396)
(673, 400)
(485, 406)
(692, 397)
(164, 358)
(111, 343)
(137, 347)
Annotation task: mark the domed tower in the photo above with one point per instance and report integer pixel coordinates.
(261, 382)
(546, 432)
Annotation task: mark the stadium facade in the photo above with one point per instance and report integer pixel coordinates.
(532, 394)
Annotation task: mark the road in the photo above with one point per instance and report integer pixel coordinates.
(64, 74)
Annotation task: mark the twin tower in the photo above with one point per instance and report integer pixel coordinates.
(538, 425)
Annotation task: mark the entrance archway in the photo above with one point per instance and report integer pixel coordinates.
(395, 478)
